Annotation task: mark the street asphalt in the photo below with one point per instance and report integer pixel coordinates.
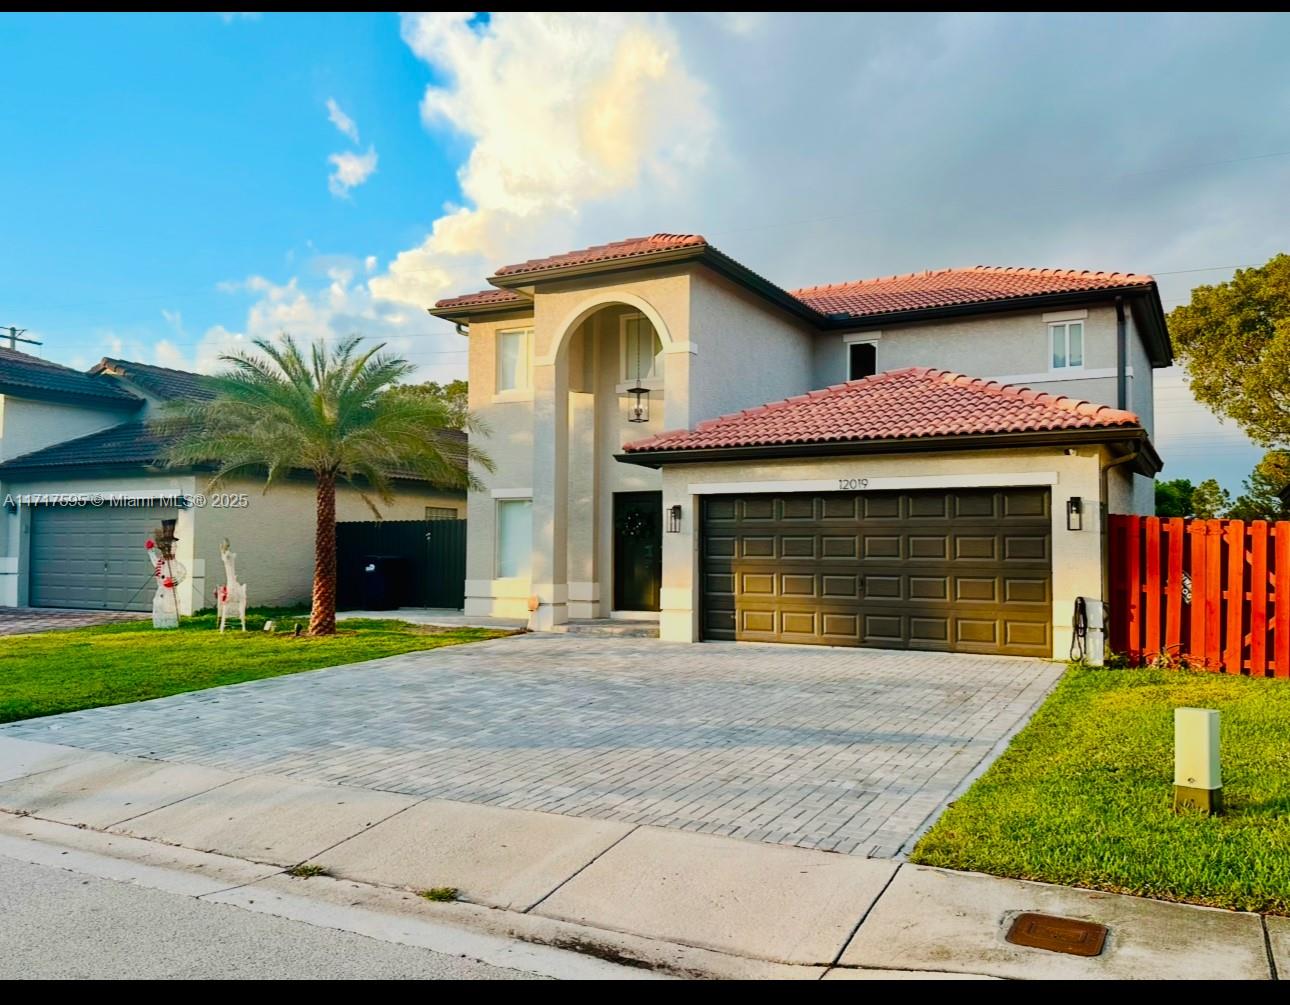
(56, 924)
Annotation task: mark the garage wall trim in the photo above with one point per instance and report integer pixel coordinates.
(985, 480)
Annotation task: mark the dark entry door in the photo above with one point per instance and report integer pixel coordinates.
(957, 571)
(638, 550)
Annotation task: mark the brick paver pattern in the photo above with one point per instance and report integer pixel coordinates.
(25, 620)
(838, 749)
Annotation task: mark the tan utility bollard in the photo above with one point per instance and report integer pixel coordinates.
(1198, 780)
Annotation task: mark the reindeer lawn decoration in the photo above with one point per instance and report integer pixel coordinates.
(232, 595)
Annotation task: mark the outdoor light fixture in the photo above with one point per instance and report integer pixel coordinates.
(1198, 776)
(1074, 513)
(638, 410)
(10, 506)
(674, 519)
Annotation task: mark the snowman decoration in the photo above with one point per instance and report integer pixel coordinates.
(168, 573)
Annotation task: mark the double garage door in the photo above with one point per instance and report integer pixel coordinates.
(92, 556)
(951, 571)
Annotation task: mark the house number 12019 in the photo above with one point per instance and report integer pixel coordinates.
(851, 484)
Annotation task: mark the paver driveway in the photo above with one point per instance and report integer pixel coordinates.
(22, 620)
(842, 749)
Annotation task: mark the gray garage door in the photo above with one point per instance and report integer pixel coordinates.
(92, 557)
(961, 571)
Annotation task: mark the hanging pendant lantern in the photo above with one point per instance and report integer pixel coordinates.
(638, 410)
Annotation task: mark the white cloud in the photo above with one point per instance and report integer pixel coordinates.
(341, 121)
(564, 112)
(349, 170)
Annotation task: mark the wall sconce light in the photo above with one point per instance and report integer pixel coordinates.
(1074, 513)
(638, 410)
(674, 519)
(10, 505)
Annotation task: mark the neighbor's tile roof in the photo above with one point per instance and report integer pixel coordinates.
(633, 247)
(129, 443)
(483, 297)
(952, 287)
(160, 381)
(136, 443)
(20, 371)
(897, 405)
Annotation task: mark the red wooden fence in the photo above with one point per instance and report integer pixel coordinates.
(1212, 593)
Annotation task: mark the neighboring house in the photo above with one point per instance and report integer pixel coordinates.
(914, 509)
(69, 438)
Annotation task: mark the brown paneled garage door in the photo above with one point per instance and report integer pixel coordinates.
(955, 571)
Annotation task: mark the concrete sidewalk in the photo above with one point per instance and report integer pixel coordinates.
(669, 901)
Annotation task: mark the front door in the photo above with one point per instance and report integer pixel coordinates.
(638, 550)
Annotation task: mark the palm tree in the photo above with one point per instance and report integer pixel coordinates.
(332, 414)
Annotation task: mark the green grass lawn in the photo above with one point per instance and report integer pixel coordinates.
(1083, 796)
(130, 661)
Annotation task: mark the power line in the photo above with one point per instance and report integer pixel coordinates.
(16, 335)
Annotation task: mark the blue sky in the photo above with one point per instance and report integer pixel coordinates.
(152, 158)
(166, 190)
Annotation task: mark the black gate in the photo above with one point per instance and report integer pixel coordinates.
(433, 552)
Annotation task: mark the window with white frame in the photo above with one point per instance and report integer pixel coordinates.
(514, 538)
(514, 349)
(1066, 340)
(640, 348)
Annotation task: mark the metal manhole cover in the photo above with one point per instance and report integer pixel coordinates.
(1057, 935)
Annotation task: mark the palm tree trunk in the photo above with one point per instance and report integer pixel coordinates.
(322, 618)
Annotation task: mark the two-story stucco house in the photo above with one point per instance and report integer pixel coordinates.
(676, 437)
(83, 486)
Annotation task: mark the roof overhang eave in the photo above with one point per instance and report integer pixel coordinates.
(1122, 439)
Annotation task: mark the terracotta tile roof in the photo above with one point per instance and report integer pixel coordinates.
(481, 298)
(160, 381)
(633, 247)
(21, 373)
(951, 287)
(897, 405)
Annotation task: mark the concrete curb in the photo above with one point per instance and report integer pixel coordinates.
(590, 895)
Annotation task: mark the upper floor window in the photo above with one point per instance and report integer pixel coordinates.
(1066, 339)
(862, 360)
(640, 348)
(514, 349)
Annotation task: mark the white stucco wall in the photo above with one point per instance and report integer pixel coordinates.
(1077, 555)
(722, 350)
(273, 534)
(27, 425)
(1012, 347)
(507, 439)
(748, 352)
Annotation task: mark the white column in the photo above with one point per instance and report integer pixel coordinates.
(550, 494)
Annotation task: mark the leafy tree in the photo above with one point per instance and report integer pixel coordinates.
(1261, 499)
(1173, 498)
(454, 395)
(1209, 500)
(276, 411)
(1234, 339)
